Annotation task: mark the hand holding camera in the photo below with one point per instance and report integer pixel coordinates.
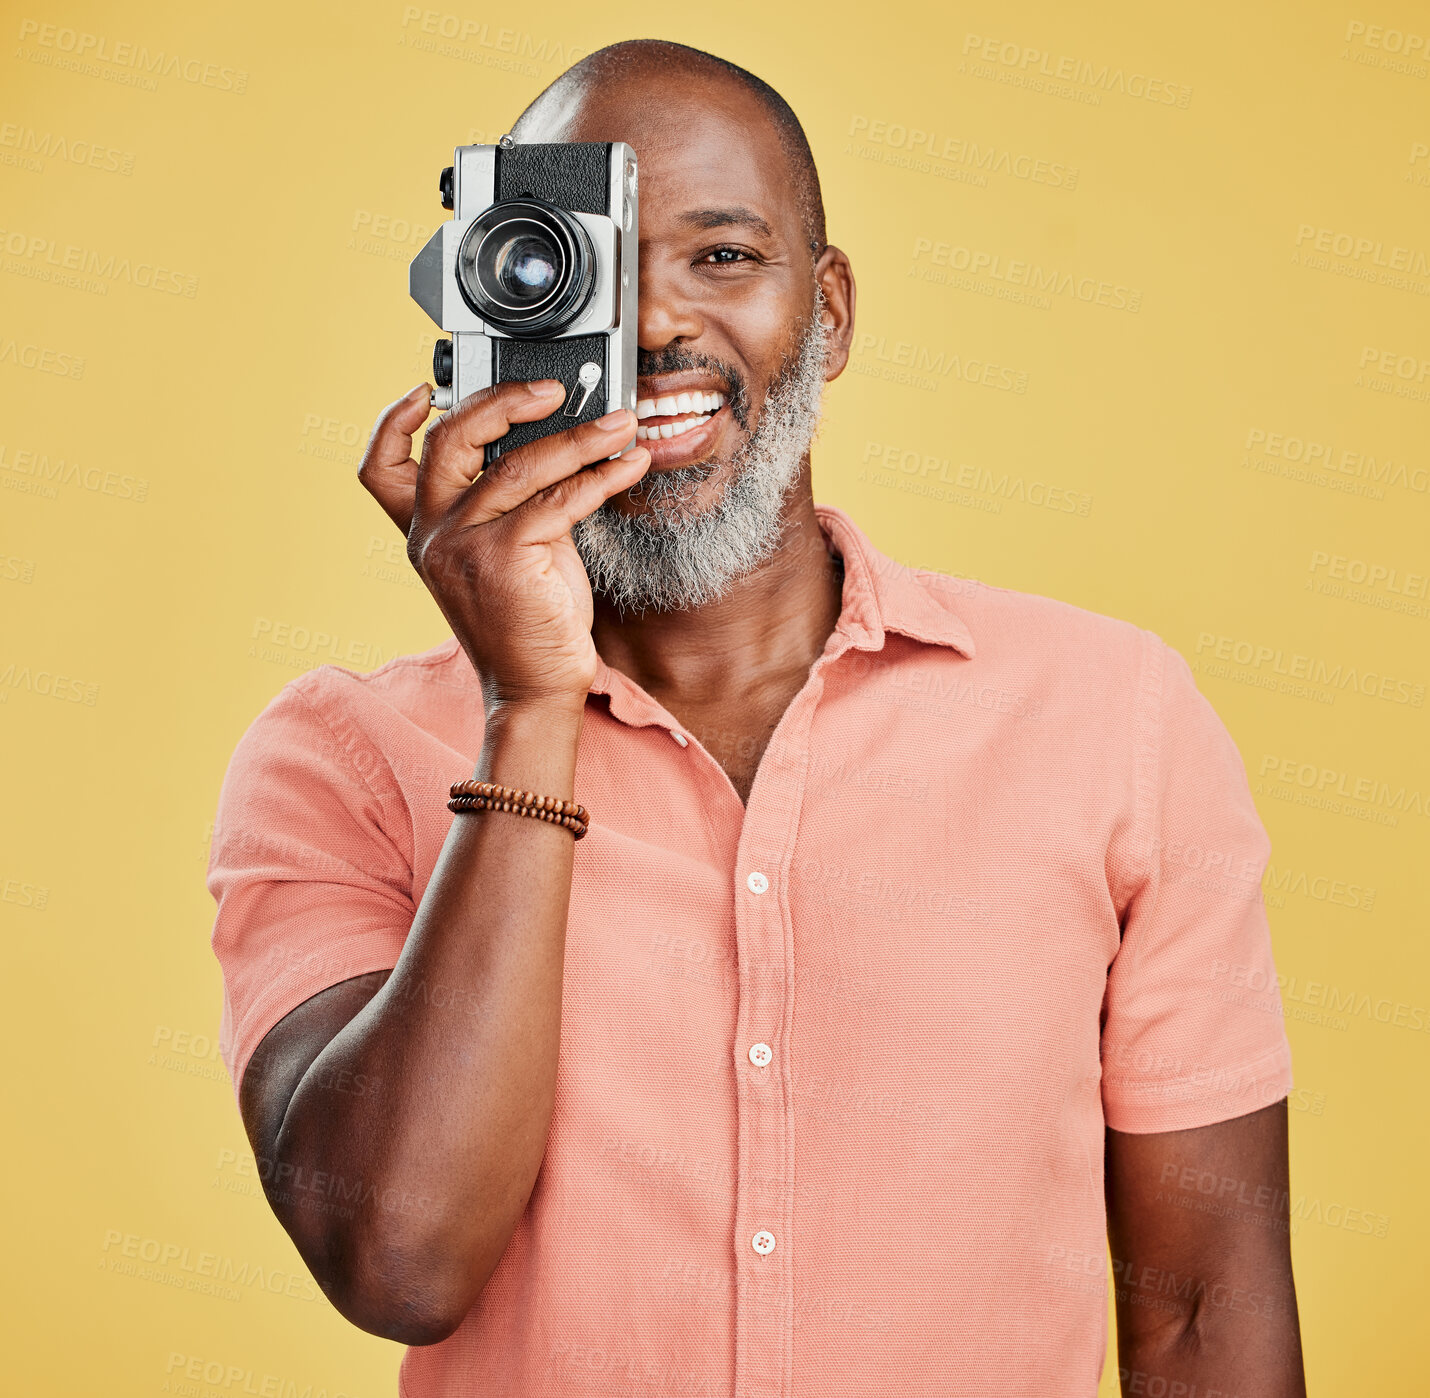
(534, 276)
(496, 551)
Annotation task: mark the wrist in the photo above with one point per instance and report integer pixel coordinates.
(533, 713)
(531, 746)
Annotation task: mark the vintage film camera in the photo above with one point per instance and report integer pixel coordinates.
(535, 277)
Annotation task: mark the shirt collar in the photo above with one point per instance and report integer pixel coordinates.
(880, 595)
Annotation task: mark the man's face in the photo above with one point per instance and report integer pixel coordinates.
(729, 306)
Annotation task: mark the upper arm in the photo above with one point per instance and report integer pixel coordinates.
(1199, 1222)
(286, 1053)
(310, 869)
(1192, 1029)
(1193, 1048)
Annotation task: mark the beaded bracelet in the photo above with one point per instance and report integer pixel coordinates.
(472, 795)
(488, 803)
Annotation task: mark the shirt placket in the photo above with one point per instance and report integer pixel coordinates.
(764, 1243)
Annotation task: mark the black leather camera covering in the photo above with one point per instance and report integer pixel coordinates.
(525, 360)
(575, 176)
(572, 175)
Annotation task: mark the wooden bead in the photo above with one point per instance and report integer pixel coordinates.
(518, 799)
(472, 795)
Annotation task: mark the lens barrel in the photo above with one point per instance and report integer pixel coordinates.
(526, 267)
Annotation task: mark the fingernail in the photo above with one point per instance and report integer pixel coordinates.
(544, 388)
(421, 388)
(613, 419)
(632, 454)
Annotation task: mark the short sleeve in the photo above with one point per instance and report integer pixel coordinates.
(1192, 1025)
(310, 887)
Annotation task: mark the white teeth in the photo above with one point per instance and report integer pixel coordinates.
(663, 430)
(684, 403)
(703, 404)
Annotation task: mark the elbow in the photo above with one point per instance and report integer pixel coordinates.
(393, 1319)
(408, 1295)
(405, 1311)
(409, 1279)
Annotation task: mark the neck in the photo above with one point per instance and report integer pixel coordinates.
(773, 622)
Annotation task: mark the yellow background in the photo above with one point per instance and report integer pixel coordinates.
(235, 389)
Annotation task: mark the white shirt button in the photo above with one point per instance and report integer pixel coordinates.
(763, 1242)
(679, 737)
(760, 1055)
(757, 882)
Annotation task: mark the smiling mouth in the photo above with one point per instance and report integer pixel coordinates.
(674, 415)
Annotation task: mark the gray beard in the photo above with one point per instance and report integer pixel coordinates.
(672, 557)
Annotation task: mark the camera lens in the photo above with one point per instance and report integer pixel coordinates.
(526, 267)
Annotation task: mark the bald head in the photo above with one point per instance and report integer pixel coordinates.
(658, 69)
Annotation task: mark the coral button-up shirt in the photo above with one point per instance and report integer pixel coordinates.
(834, 1068)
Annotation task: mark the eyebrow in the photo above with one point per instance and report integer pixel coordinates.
(736, 217)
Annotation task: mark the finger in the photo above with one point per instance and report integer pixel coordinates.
(387, 470)
(515, 477)
(551, 513)
(455, 447)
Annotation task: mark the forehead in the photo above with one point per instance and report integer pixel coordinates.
(701, 144)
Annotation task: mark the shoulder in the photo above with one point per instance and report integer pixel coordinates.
(332, 712)
(1101, 675)
(411, 686)
(403, 682)
(1034, 633)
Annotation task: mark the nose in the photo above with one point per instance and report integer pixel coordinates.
(665, 315)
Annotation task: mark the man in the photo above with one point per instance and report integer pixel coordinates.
(898, 968)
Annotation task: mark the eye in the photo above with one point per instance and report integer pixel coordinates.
(725, 255)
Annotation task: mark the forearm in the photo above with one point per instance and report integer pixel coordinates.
(424, 1173)
(1233, 1342)
(1200, 1230)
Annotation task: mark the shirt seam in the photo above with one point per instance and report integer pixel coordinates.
(382, 798)
(379, 796)
(1150, 742)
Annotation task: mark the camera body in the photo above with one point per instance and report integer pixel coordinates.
(535, 277)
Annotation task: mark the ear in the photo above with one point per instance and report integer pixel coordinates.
(836, 279)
